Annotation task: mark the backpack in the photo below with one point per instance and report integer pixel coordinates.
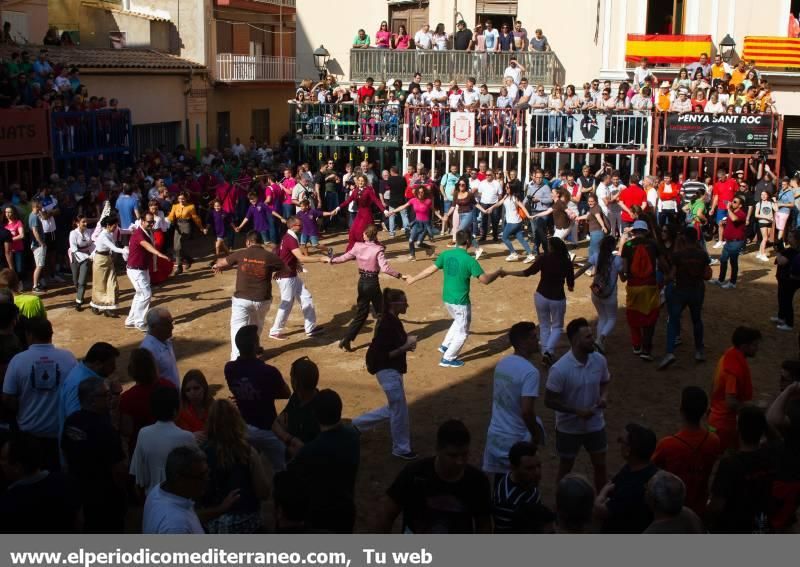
(642, 267)
(601, 287)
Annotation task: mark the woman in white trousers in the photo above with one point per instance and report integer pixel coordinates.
(607, 268)
(386, 359)
(550, 300)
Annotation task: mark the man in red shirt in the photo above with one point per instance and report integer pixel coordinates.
(722, 194)
(734, 235)
(632, 195)
(290, 284)
(733, 385)
(367, 90)
(140, 259)
(690, 454)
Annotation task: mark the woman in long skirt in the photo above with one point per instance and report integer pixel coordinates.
(364, 197)
(386, 359)
(80, 250)
(105, 290)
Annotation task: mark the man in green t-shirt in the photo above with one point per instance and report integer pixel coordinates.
(361, 41)
(459, 268)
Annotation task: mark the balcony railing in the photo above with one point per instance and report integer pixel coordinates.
(493, 127)
(90, 133)
(243, 68)
(591, 129)
(347, 122)
(383, 64)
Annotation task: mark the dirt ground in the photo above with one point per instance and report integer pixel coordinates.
(200, 303)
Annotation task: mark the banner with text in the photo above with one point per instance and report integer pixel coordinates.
(24, 132)
(729, 131)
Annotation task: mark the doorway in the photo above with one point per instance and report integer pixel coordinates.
(665, 17)
(223, 129)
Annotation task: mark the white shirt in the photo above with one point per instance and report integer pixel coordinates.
(438, 95)
(80, 244)
(602, 193)
(715, 108)
(34, 377)
(513, 72)
(652, 197)
(165, 358)
(423, 40)
(513, 91)
(614, 191)
(238, 149)
(489, 191)
(168, 513)
(528, 91)
(105, 243)
(579, 386)
(510, 210)
(427, 98)
(453, 100)
(471, 96)
(514, 378)
(640, 74)
(153, 446)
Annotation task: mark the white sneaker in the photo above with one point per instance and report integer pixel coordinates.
(478, 253)
(714, 262)
(776, 320)
(728, 285)
(784, 327)
(512, 257)
(529, 258)
(718, 245)
(764, 258)
(715, 281)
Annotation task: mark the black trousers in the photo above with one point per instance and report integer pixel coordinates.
(369, 292)
(786, 290)
(494, 218)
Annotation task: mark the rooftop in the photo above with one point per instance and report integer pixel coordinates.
(106, 58)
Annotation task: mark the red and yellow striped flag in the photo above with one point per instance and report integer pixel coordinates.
(673, 49)
(772, 51)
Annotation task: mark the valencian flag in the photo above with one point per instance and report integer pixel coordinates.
(772, 51)
(671, 49)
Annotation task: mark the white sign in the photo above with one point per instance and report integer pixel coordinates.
(462, 129)
(588, 127)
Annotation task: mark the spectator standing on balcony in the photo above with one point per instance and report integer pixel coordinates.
(423, 39)
(664, 97)
(463, 36)
(383, 37)
(640, 74)
(361, 40)
(514, 70)
(491, 37)
(718, 71)
(478, 41)
(506, 39)
(520, 37)
(539, 42)
(440, 38)
(485, 100)
(682, 103)
(401, 39)
(703, 64)
(42, 68)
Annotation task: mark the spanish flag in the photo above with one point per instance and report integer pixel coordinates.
(673, 49)
(772, 51)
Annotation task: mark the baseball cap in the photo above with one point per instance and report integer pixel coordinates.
(640, 225)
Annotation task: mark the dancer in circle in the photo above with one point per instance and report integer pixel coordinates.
(364, 197)
(551, 302)
(514, 217)
(423, 209)
(386, 359)
(607, 268)
(105, 289)
(371, 262)
(80, 250)
(161, 270)
(140, 259)
(464, 205)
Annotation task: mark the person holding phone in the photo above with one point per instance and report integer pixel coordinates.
(386, 359)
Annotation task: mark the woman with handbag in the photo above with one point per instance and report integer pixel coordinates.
(515, 218)
(182, 215)
(607, 268)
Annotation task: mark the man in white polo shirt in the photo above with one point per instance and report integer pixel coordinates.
(471, 95)
(423, 39)
(489, 192)
(576, 389)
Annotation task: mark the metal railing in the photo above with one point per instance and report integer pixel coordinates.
(383, 64)
(240, 68)
(493, 127)
(90, 133)
(347, 122)
(590, 129)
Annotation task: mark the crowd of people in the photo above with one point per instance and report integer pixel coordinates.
(89, 451)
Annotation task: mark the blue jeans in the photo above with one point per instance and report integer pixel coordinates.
(730, 252)
(677, 300)
(393, 219)
(515, 229)
(539, 234)
(418, 231)
(465, 222)
(595, 238)
(447, 205)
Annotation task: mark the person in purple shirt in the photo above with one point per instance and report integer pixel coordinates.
(308, 217)
(259, 214)
(255, 386)
(222, 225)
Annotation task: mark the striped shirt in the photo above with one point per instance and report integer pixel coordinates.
(508, 497)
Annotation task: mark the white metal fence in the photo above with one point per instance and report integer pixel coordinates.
(237, 68)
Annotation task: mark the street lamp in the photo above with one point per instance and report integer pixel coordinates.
(727, 47)
(321, 57)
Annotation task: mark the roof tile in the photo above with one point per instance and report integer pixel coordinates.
(106, 58)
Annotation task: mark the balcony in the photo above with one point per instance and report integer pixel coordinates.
(254, 68)
(383, 64)
(346, 124)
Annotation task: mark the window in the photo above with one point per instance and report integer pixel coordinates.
(224, 37)
(260, 124)
(223, 129)
(665, 16)
(19, 26)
